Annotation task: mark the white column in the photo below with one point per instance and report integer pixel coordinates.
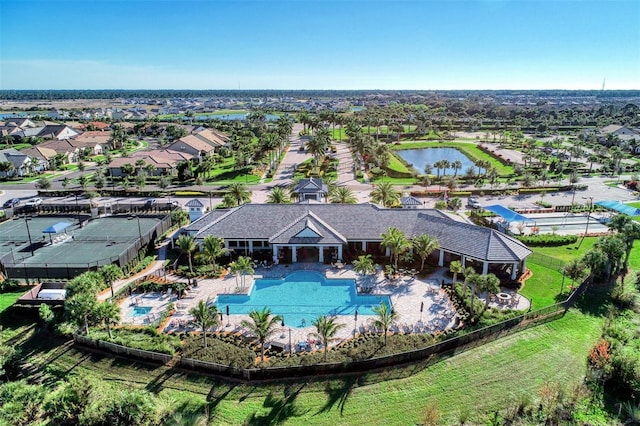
(485, 268)
(275, 251)
(321, 254)
(514, 270)
(250, 246)
(387, 252)
(463, 261)
(340, 253)
(364, 246)
(441, 258)
(294, 254)
(226, 244)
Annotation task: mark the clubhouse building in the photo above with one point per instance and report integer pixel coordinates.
(310, 232)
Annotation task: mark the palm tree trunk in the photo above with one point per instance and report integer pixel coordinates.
(108, 329)
(190, 266)
(204, 333)
(422, 263)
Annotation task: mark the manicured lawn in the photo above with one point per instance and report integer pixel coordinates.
(544, 285)
(483, 379)
(8, 299)
(469, 149)
(569, 251)
(397, 165)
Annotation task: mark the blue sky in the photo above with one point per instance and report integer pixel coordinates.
(360, 44)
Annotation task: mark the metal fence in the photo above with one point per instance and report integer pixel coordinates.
(122, 350)
(548, 261)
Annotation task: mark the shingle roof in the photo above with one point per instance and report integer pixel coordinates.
(410, 200)
(357, 222)
(194, 203)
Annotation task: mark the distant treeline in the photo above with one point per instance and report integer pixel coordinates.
(26, 95)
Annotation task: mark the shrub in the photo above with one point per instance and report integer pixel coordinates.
(547, 239)
(8, 286)
(147, 339)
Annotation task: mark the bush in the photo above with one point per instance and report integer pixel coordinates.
(221, 349)
(8, 286)
(547, 239)
(147, 339)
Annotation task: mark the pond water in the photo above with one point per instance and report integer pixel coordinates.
(420, 157)
(234, 116)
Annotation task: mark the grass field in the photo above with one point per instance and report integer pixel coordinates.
(483, 379)
(8, 299)
(567, 252)
(543, 288)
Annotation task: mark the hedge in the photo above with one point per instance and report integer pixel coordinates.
(547, 239)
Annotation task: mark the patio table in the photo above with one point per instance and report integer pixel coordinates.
(503, 297)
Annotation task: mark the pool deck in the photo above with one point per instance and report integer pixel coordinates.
(407, 294)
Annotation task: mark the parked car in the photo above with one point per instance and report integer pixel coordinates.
(473, 203)
(150, 203)
(12, 202)
(34, 202)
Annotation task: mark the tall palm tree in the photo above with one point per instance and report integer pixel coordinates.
(111, 273)
(490, 284)
(187, 245)
(262, 325)
(385, 194)
(326, 329)
(629, 230)
(423, 246)
(244, 266)
(455, 267)
(205, 317)
(278, 195)
(385, 317)
(456, 165)
(364, 265)
(239, 193)
(317, 146)
(108, 313)
(342, 195)
(396, 242)
(213, 248)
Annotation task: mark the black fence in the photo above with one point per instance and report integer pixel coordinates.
(432, 353)
(547, 261)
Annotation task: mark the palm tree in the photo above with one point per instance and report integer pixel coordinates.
(187, 245)
(456, 165)
(213, 248)
(262, 325)
(326, 329)
(423, 246)
(239, 193)
(364, 265)
(385, 194)
(396, 242)
(455, 267)
(111, 273)
(205, 317)
(342, 195)
(490, 284)
(629, 230)
(109, 313)
(386, 317)
(244, 266)
(278, 195)
(80, 307)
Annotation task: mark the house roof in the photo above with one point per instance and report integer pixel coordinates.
(40, 152)
(194, 142)
(410, 200)
(92, 139)
(59, 146)
(213, 138)
(194, 203)
(162, 159)
(13, 156)
(310, 186)
(282, 223)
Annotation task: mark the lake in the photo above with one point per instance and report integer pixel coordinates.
(422, 156)
(234, 116)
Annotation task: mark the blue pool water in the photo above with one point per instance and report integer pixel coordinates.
(302, 296)
(420, 157)
(140, 311)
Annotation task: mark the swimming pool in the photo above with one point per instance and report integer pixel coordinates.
(140, 311)
(302, 295)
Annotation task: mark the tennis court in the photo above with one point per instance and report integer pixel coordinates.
(86, 244)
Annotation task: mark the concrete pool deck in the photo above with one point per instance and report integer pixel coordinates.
(407, 294)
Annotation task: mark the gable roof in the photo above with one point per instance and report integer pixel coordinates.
(162, 159)
(410, 200)
(339, 223)
(40, 152)
(194, 142)
(311, 186)
(13, 156)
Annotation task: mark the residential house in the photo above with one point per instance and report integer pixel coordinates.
(615, 134)
(192, 145)
(164, 161)
(21, 163)
(65, 148)
(98, 142)
(58, 131)
(44, 155)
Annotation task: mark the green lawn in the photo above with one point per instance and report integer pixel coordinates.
(567, 252)
(483, 379)
(8, 299)
(544, 285)
(397, 165)
(467, 148)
